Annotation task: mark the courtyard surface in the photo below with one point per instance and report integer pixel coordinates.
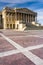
(21, 47)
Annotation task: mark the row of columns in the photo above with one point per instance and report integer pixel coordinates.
(19, 16)
(11, 17)
(25, 17)
(10, 26)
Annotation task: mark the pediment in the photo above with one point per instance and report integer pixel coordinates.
(25, 10)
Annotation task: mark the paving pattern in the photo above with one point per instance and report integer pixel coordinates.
(4, 45)
(21, 48)
(38, 52)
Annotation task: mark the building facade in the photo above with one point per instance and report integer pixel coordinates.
(16, 18)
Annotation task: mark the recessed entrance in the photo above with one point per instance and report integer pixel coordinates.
(7, 26)
(13, 26)
(10, 26)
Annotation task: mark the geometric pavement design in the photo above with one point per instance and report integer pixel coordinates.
(25, 51)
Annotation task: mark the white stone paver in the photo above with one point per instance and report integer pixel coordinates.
(7, 53)
(34, 47)
(35, 59)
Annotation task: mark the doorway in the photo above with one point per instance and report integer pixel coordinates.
(13, 26)
(10, 26)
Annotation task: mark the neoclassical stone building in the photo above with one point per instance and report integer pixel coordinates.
(16, 18)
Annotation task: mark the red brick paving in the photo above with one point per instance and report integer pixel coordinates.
(5, 46)
(29, 32)
(27, 41)
(18, 59)
(0, 35)
(38, 52)
(15, 34)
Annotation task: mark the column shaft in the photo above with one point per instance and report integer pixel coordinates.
(21, 16)
(30, 18)
(26, 18)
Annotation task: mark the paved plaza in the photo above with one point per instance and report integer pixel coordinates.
(21, 47)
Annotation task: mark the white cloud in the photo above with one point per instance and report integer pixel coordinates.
(16, 1)
(20, 1)
(40, 15)
(40, 0)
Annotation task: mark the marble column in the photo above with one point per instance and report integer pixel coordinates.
(8, 17)
(4, 20)
(30, 18)
(18, 16)
(21, 16)
(26, 18)
(15, 16)
(11, 17)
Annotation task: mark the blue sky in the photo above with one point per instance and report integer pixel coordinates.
(35, 5)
